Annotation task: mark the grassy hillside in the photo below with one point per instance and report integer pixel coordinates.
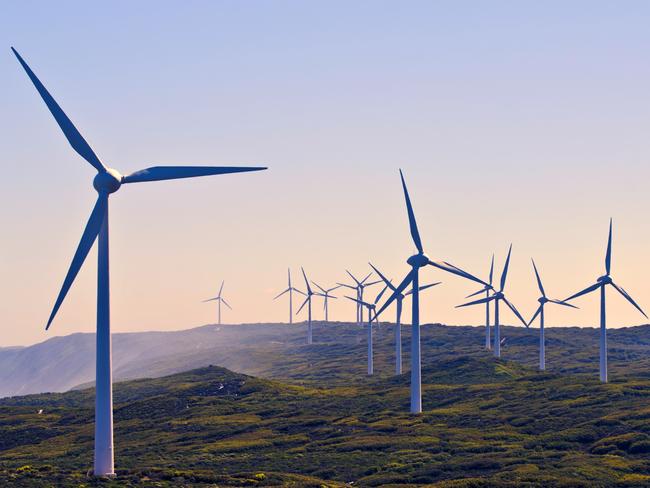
(486, 422)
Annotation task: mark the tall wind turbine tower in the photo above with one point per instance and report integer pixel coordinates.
(601, 284)
(543, 300)
(219, 299)
(106, 182)
(498, 297)
(371, 309)
(359, 286)
(290, 289)
(398, 319)
(416, 262)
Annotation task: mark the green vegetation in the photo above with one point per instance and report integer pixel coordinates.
(322, 422)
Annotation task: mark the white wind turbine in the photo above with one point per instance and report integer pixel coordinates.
(359, 286)
(543, 300)
(106, 182)
(326, 296)
(416, 262)
(371, 308)
(601, 283)
(498, 297)
(290, 291)
(398, 319)
(307, 302)
(219, 299)
(486, 289)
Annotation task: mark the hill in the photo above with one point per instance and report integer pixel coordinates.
(278, 351)
(485, 423)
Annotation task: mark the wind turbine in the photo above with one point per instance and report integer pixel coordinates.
(543, 300)
(359, 286)
(601, 283)
(289, 290)
(398, 320)
(486, 289)
(416, 262)
(106, 181)
(219, 300)
(371, 308)
(326, 296)
(498, 297)
(307, 301)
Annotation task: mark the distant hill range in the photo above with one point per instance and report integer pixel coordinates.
(278, 351)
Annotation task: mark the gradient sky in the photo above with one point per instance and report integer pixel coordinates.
(523, 122)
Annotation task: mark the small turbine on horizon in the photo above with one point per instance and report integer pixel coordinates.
(219, 299)
(359, 286)
(486, 289)
(326, 296)
(398, 319)
(289, 290)
(497, 297)
(371, 308)
(106, 182)
(416, 262)
(310, 293)
(601, 283)
(543, 300)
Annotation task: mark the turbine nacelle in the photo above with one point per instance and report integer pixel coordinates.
(543, 300)
(108, 181)
(605, 280)
(498, 295)
(418, 260)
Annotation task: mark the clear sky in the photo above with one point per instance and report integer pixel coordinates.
(514, 121)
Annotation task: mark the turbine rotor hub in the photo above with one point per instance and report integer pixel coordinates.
(542, 300)
(498, 295)
(605, 279)
(418, 260)
(108, 181)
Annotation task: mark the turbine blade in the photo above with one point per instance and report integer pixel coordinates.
(560, 302)
(450, 268)
(303, 304)
(476, 302)
(289, 275)
(87, 239)
(589, 289)
(504, 274)
(360, 302)
(221, 288)
(380, 294)
(492, 270)
(278, 296)
(415, 234)
(515, 311)
(364, 280)
(539, 281)
(352, 276)
(608, 255)
(397, 292)
(430, 285)
(210, 299)
(373, 283)
(627, 296)
(298, 291)
(159, 173)
(319, 287)
(482, 290)
(537, 312)
(335, 288)
(71, 133)
(226, 303)
(386, 280)
(309, 292)
(347, 286)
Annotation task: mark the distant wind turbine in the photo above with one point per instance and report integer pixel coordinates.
(416, 262)
(307, 301)
(359, 286)
(601, 283)
(219, 299)
(106, 181)
(290, 289)
(543, 300)
(497, 297)
(371, 308)
(486, 289)
(398, 320)
(326, 296)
